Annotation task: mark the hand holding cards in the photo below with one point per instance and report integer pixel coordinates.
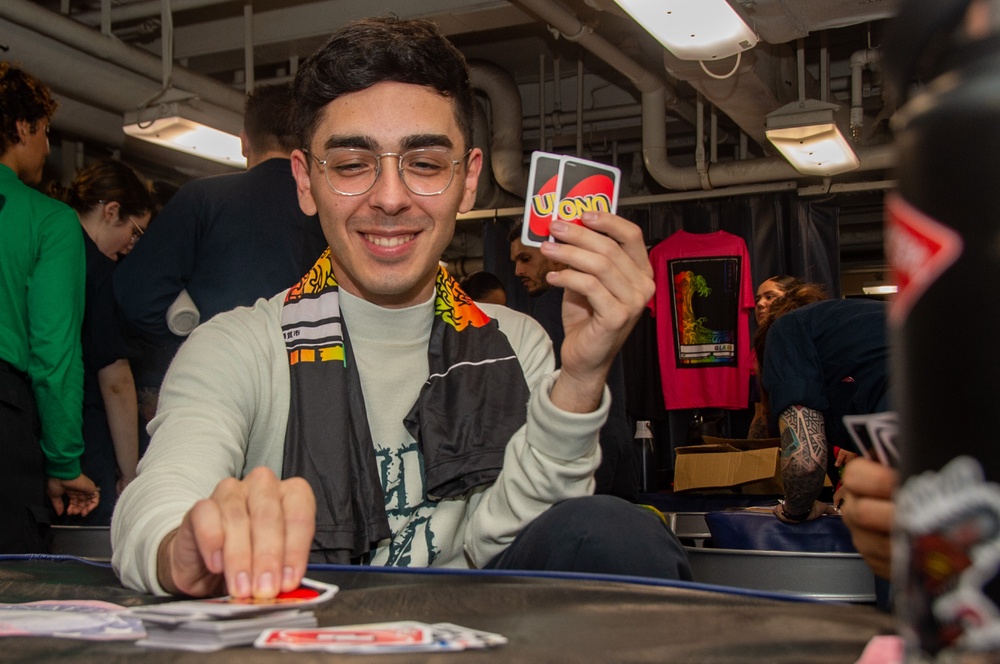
(561, 187)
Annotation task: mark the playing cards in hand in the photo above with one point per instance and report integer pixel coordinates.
(382, 638)
(875, 436)
(211, 624)
(561, 187)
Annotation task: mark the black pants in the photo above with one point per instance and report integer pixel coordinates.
(23, 502)
(597, 534)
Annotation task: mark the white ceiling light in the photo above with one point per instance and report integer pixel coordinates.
(179, 127)
(694, 29)
(807, 134)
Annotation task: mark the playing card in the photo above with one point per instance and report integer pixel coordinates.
(585, 186)
(381, 637)
(875, 436)
(466, 636)
(217, 633)
(540, 199)
(309, 593)
(72, 619)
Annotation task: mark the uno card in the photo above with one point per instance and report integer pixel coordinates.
(381, 637)
(310, 593)
(540, 200)
(585, 186)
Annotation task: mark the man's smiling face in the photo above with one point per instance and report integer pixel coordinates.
(386, 243)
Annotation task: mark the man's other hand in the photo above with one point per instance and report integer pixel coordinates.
(868, 511)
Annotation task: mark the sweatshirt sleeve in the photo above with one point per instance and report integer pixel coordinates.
(55, 365)
(551, 458)
(220, 415)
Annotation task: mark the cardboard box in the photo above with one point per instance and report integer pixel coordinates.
(731, 465)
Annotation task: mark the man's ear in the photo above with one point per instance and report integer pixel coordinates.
(303, 185)
(473, 165)
(23, 130)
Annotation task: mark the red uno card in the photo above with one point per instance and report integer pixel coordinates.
(349, 638)
(540, 200)
(585, 186)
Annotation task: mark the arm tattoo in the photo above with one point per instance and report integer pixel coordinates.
(803, 457)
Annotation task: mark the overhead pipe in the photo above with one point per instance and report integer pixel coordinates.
(657, 96)
(149, 9)
(507, 150)
(579, 106)
(860, 60)
(541, 102)
(109, 48)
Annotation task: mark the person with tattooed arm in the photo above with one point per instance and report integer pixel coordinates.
(821, 359)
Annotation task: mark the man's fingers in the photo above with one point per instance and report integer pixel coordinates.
(267, 533)
(299, 506)
(231, 498)
(864, 477)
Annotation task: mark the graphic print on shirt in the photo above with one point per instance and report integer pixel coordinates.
(705, 309)
(409, 514)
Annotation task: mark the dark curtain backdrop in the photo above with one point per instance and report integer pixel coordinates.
(784, 235)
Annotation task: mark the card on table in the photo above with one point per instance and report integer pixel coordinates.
(390, 637)
(309, 594)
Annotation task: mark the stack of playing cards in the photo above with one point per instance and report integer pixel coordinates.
(380, 638)
(561, 187)
(206, 625)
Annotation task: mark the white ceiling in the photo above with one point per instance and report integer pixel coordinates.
(98, 76)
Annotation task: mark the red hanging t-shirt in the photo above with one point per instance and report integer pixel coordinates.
(702, 307)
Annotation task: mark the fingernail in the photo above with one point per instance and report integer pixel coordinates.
(288, 578)
(588, 216)
(558, 226)
(265, 584)
(242, 584)
(217, 561)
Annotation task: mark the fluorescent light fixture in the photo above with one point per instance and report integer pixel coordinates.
(807, 134)
(176, 127)
(879, 289)
(694, 29)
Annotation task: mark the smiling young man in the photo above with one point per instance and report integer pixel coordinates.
(373, 413)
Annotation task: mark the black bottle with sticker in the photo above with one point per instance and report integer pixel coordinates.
(943, 240)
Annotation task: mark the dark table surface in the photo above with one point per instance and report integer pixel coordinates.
(553, 618)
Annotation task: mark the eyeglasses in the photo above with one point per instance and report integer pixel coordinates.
(424, 171)
(138, 232)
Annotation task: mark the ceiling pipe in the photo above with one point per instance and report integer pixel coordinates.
(656, 96)
(105, 47)
(860, 60)
(140, 10)
(506, 148)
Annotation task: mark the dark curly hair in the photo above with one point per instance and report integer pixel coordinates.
(797, 296)
(23, 98)
(373, 50)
